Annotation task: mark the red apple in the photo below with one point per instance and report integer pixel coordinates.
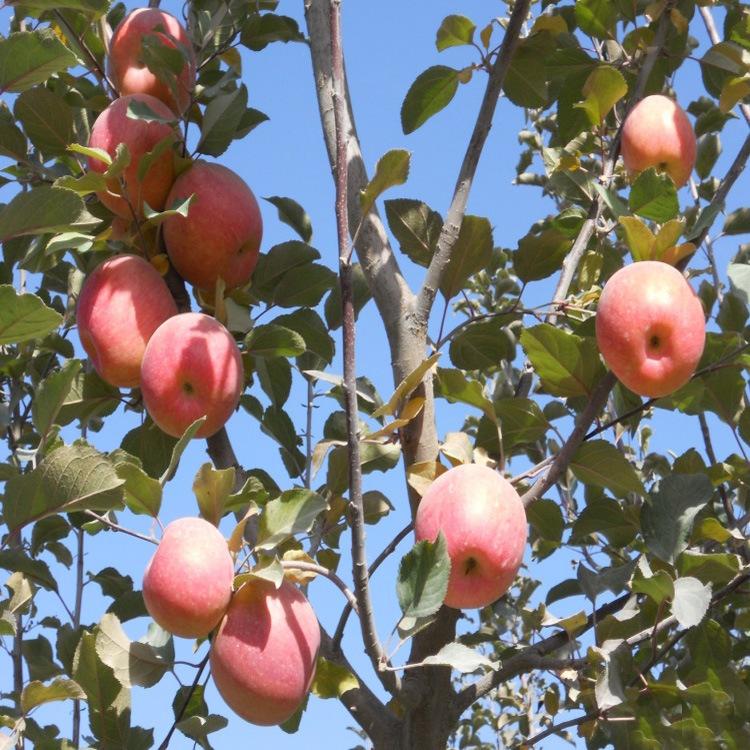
(657, 133)
(220, 237)
(484, 525)
(129, 72)
(264, 653)
(120, 306)
(187, 584)
(650, 328)
(191, 368)
(112, 127)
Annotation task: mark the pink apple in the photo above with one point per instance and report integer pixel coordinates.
(112, 127)
(484, 525)
(220, 237)
(187, 584)
(129, 72)
(657, 133)
(191, 368)
(650, 328)
(120, 306)
(264, 653)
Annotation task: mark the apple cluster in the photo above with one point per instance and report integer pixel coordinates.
(187, 365)
(264, 653)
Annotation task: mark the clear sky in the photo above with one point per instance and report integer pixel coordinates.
(387, 44)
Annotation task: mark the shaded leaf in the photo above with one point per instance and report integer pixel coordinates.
(423, 578)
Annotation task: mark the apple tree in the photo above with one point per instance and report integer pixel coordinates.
(638, 638)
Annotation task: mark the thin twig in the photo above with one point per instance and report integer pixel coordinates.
(373, 647)
(76, 738)
(321, 570)
(116, 527)
(454, 218)
(557, 728)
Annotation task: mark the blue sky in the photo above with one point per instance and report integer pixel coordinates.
(387, 44)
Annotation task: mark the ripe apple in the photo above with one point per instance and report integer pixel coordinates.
(220, 236)
(484, 525)
(191, 368)
(129, 72)
(120, 306)
(187, 584)
(264, 653)
(650, 327)
(657, 133)
(112, 127)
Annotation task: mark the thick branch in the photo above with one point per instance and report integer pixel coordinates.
(454, 218)
(373, 647)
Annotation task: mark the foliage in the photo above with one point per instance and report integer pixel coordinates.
(655, 654)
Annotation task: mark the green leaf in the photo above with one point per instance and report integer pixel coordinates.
(568, 365)
(667, 517)
(332, 680)
(423, 578)
(654, 196)
(142, 493)
(521, 420)
(133, 663)
(373, 456)
(659, 586)
(262, 29)
(605, 517)
(139, 110)
(609, 689)
(41, 210)
(709, 150)
(392, 169)
(481, 346)
(24, 317)
(92, 8)
(305, 287)
(274, 341)
(540, 255)
(690, 602)
(51, 395)
(546, 519)
(461, 658)
(432, 91)
(280, 260)
(454, 31)
(221, 121)
(12, 141)
(739, 276)
(604, 87)
(715, 568)
(36, 693)
(596, 17)
(109, 701)
(92, 153)
(199, 727)
(73, 477)
(361, 294)
(639, 237)
(599, 463)
(526, 81)
(738, 222)
(471, 253)
(179, 449)
(293, 512)
(212, 488)
(178, 208)
(453, 386)
(152, 446)
(416, 227)
(46, 118)
(31, 57)
(292, 214)
(36, 571)
(614, 579)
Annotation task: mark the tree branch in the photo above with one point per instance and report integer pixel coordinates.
(452, 224)
(373, 647)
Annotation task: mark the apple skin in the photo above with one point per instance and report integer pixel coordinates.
(112, 127)
(131, 75)
(187, 584)
(264, 654)
(221, 235)
(650, 328)
(191, 368)
(485, 529)
(658, 133)
(122, 302)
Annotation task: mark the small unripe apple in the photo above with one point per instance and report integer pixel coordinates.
(191, 368)
(484, 524)
(122, 302)
(264, 654)
(221, 235)
(650, 328)
(113, 127)
(657, 133)
(187, 584)
(128, 70)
